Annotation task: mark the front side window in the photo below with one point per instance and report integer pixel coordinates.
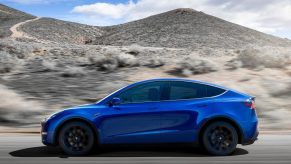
(151, 91)
(186, 90)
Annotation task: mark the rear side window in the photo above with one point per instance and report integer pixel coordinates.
(214, 91)
(186, 90)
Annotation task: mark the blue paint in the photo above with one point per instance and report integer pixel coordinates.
(158, 121)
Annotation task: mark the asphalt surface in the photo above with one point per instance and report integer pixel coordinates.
(21, 148)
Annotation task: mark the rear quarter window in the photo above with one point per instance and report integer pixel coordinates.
(186, 90)
(214, 91)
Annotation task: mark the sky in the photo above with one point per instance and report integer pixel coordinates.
(268, 16)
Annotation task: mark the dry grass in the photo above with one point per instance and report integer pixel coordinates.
(112, 60)
(134, 49)
(15, 108)
(268, 57)
(9, 63)
(71, 71)
(49, 65)
(126, 60)
(156, 62)
(193, 66)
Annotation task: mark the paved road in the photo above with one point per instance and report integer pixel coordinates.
(28, 149)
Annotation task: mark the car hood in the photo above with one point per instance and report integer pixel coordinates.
(86, 106)
(87, 111)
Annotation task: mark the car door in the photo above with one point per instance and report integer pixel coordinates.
(136, 119)
(179, 113)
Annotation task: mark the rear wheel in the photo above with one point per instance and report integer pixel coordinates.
(76, 138)
(220, 138)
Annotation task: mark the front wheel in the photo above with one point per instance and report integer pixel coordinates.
(76, 138)
(220, 138)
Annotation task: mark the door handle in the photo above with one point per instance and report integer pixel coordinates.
(116, 108)
(202, 106)
(153, 108)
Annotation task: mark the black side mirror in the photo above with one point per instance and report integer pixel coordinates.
(115, 101)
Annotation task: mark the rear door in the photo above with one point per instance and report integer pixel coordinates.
(179, 112)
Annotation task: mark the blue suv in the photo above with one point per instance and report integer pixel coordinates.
(158, 111)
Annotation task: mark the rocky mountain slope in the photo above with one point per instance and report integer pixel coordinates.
(180, 28)
(9, 17)
(185, 28)
(61, 31)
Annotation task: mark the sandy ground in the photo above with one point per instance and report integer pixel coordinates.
(17, 33)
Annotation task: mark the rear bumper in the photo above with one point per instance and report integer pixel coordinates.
(252, 140)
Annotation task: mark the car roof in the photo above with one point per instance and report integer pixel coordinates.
(170, 79)
(182, 79)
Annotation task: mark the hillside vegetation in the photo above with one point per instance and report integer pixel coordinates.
(9, 17)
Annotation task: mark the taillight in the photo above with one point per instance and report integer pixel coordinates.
(250, 103)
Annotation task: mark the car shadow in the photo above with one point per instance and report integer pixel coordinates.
(170, 150)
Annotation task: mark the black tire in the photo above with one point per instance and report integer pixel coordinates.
(76, 138)
(220, 138)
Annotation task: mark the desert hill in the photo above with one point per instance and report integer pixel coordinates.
(180, 28)
(61, 31)
(184, 28)
(9, 17)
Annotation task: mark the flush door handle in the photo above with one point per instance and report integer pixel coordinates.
(202, 106)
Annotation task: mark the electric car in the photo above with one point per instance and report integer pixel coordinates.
(167, 110)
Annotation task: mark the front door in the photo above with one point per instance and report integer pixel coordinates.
(137, 118)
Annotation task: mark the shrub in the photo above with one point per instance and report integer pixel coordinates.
(278, 88)
(126, 60)
(134, 49)
(153, 63)
(234, 64)
(104, 63)
(49, 65)
(70, 71)
(194, 66)
(9, 63)
(269, 57)
(111, 61)
(14, 108)
(15, 48)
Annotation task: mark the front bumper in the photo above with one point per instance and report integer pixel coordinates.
(45, 135)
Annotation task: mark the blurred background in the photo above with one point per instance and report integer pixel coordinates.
(47, 65)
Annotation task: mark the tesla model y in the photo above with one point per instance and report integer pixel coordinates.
(167, 110)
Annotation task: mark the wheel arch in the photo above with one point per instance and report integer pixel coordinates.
(225, 119)
(76, 119)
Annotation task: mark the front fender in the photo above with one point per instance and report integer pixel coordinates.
(53, 125)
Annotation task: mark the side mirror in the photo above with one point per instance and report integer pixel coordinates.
(115, 101)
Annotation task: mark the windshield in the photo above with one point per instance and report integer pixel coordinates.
(110, 94)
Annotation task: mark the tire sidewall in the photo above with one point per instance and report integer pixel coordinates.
(207, 145)
(62, 144)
